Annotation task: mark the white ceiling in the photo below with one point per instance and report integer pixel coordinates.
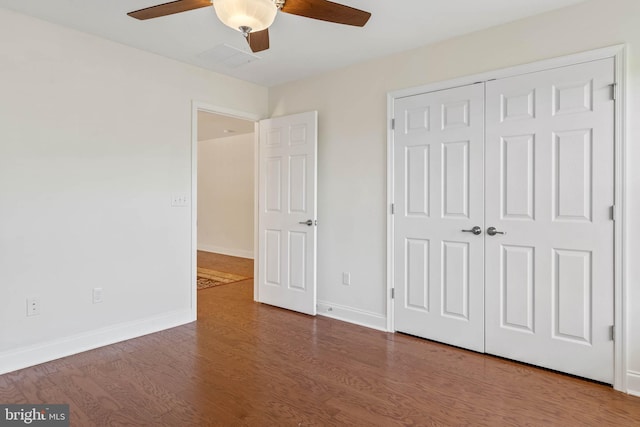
(300, 47)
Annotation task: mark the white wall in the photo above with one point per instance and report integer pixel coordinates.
(226, 195)
(94, 139)
(352, 141)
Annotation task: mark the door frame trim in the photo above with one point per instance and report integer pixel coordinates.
(214, 109)
(618, 53)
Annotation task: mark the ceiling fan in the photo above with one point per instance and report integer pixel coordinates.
(253, 17)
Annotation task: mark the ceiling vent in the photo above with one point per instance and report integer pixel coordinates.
(227, 56)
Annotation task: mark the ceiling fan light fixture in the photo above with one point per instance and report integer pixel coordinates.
(241, 14)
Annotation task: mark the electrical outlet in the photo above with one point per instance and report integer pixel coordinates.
(97, 295)
(33, 306)
(324, 308)
(346, 279)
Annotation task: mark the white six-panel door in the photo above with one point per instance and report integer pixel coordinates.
(438, 161)
(287, 212)
(549, 280)
(539, 287)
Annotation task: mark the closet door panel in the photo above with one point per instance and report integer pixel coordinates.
(549, 188)
(438, 187)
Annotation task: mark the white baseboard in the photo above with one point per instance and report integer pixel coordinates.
(633, 383)
(40, 353)
(352, 315)
(242, 253)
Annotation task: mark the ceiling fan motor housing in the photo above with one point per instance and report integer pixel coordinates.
(255, 15)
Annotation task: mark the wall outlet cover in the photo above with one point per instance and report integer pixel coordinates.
(33, 306)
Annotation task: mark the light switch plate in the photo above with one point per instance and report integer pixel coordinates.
(179, 200)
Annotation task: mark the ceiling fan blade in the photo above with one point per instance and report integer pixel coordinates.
(259, 40)
(327, 11)
(169, 8)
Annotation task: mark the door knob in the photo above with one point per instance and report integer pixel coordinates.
(475, 230)
(492, 231)
(307, 222)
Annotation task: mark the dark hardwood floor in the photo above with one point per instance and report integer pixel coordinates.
(244, 363)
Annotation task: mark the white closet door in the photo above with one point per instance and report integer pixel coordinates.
(438, 190)
(549, 187)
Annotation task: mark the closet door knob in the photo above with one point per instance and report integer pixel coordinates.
(492, 231)
(475, 230)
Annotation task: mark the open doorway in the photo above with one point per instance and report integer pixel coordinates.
(287, 265)
(225, 199)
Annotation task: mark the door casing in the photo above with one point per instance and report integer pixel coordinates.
(616, 52)
(208, 108)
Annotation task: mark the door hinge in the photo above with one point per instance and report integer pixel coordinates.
(393, 293)
(393, 208)
(613, 213)
(614, 87)
(393, 124)
(612, 331)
